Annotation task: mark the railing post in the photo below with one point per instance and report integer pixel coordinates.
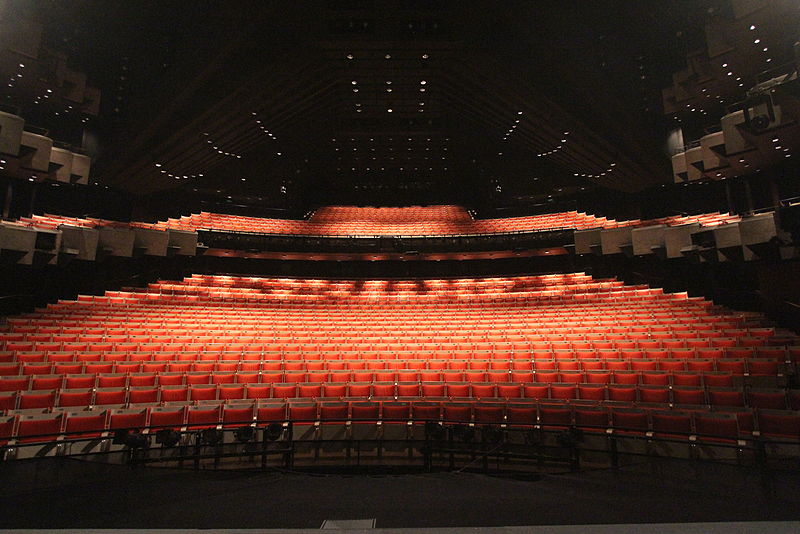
(197, 447)
(264, 449)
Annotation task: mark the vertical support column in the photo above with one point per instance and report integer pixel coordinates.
(775, 196)
(748, 196)
(729, 196)
(33, 199)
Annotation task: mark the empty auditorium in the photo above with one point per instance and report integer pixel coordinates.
(402, 266)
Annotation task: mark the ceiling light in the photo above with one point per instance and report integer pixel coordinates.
(387, 56)
(349, 56)
(424, 56)
(389, 110)
(354, 82)
(752, 27)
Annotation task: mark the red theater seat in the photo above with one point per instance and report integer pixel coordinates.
(39, 428)
(84, 425)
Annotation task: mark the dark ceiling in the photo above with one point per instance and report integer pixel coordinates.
(317, 101)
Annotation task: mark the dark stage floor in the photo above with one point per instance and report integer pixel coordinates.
(72, 494)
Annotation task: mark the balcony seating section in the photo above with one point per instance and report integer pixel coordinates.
(212, 349)
(417, 221)
(52, 222)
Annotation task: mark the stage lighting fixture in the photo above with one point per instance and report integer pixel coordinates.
(119, 437)
(211, 436)
(274, 431)
(244, 434)
(168, 438)
(133, 440)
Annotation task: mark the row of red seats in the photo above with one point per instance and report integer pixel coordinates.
(232, 340)
(444, 213)
(121, 375)
(699, 335)
(39, 399)
(94, 329)
(41, 363)
(695, 425)
(124, 375)
(623, 373)
(696, 348)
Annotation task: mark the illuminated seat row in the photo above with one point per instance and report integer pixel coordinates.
(345, 221)
(216, 342)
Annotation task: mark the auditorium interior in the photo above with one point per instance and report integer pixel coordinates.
(400, 264)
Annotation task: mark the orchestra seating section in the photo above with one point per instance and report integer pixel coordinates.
(545, 350)
(419, 221)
